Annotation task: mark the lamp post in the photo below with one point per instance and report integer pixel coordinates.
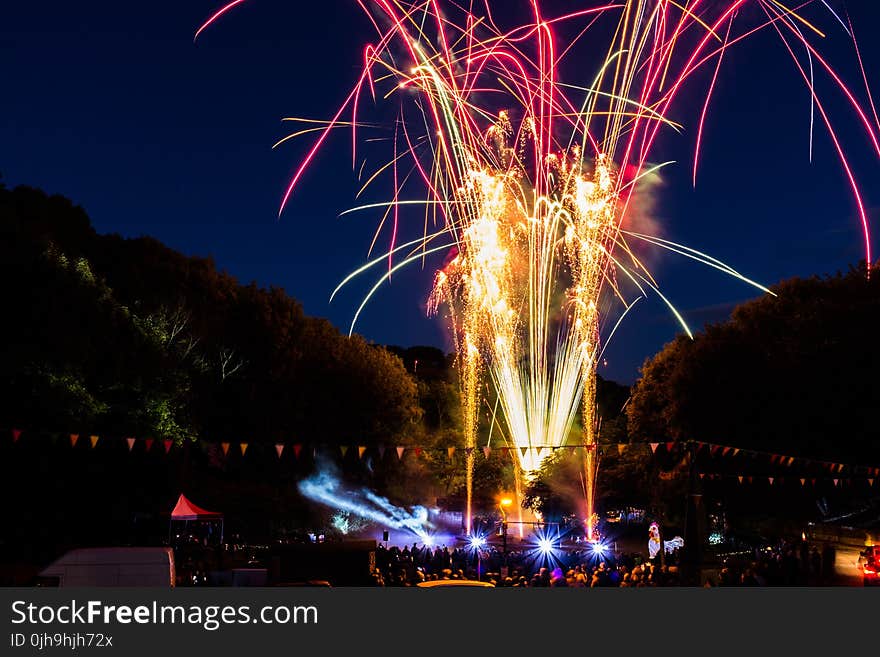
(503, 504)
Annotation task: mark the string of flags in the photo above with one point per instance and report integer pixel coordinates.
(300, 449)
(777, 481)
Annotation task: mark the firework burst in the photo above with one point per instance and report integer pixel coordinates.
(526, 181)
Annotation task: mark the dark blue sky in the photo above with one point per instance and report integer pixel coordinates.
(113, 105)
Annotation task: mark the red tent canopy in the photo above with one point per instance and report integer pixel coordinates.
(186, 510)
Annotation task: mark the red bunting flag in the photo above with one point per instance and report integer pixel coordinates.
(168, 443)
(297, 448)
(654, 447)
(400, 452)
(130, 442)
(16, 434)
(361, 450)
(243, 447)
(343, 449)
(417, 451)
(73, 438)
(813, 481)
(450, 451)
(714, 449)
(93, 440)
(224, 446)
(279, 447)
(487, 451)
(725, 451)
(669, 446)
(751, 479)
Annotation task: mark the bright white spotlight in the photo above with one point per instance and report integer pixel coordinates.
(545, 545)
(428, 540)
(599, 548)
(477, 542)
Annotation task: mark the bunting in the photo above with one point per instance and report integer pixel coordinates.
(224, 446)
(486, 451)
(130, 442)
(73, 438)
(361, 450)
(16, 434)
(243, 447)
(449, 452)
(167, 443)
(93, 440)
(279, 448)
(297, 448)
(400, 452)
(654, 447)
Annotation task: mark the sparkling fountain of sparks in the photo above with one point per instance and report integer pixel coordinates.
(526, 182)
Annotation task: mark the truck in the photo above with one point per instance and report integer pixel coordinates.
(111, 566)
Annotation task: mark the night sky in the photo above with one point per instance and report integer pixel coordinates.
(114, 106)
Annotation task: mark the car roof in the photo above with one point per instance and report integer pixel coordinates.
(439, 583)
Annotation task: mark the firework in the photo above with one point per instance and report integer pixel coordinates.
(526, 180)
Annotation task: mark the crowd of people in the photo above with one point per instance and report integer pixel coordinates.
(781, 564)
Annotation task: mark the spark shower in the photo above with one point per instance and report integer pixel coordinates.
(524, 181)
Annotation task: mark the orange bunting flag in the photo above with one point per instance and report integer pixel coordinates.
(73, 438)
(725, 451)
(790, 460)
(343, 449)
(740, 477)
(168, 443)
(400, 452)
(524, 450)
(840, 467)
(487, 451)
(93, 440)
(361, 450)
(16, 434)
(702, 475)
(223, 446)
(450, 451)
(130, 442)
(296, 450)
(243, 447)
(735, 451)
(279, 447)
(870, 482)
(654, 447)
(620, 449)
(803, 481)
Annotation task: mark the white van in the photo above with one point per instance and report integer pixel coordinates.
(112, 566)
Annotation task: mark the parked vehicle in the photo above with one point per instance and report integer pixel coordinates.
(112, 566)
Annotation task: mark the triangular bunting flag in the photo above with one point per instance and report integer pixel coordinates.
(770, 479)
(725, 451)
(279, 447)
(654, 447)
(223, 446)
(168, 443)
(361, 450)
(243, 447)
(813, 481)
(790, 460)
(487, 451)
(148, 442)
(539, 453)
(73, 438)
(417, 451)
(870, 481)
(735, 451)
(714, 449)
(130, 442)
(840, 467)
(620, 449)
(740, 477)
(297, 448)
(450, 451)
(803, 481)
(16, 434)
(669, 446)
(702, 475)
(400, 452)
(524, 450)
(835, 481)
(751, 479)
(343, 449)
(93, 440)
